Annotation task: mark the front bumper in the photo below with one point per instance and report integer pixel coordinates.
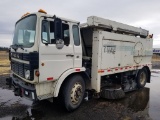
(21, 88)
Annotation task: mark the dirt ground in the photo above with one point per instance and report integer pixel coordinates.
(137, 105)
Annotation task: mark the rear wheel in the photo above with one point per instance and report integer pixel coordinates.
(142, 78)
(73, 92)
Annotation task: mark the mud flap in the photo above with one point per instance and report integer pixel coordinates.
(9, 82)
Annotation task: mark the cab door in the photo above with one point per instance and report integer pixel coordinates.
(53, 61)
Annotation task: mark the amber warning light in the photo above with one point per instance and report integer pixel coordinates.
(25, 14)
(42, 11)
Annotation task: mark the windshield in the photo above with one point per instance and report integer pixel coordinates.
(25, 32)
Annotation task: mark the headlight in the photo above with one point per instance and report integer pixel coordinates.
(17, 55)
(27, 74)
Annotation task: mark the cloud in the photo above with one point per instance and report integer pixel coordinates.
(156, 42)
(145, 14)
(5, 40)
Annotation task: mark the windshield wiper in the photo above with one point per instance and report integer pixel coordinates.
(21, 46)
(16, 46)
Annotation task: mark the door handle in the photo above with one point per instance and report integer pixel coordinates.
(69, 55)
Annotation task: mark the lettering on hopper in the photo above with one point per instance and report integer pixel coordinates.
(110, 49)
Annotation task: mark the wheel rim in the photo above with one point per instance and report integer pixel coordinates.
(76, 93)
(142, 78)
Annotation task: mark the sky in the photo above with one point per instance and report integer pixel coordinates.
(139, 13)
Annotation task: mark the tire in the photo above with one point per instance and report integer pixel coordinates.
(142, 78)
(73, 92)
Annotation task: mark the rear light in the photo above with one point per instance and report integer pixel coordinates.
(151, 36)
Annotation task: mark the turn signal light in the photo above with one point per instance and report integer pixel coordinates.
(100, 71)
(42, 11)
(37, 73)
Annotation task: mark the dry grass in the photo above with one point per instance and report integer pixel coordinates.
(4, 63)
(155, 58)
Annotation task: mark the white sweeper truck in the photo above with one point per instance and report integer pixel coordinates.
(54, 57)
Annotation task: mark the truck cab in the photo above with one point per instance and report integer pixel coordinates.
(46, 50)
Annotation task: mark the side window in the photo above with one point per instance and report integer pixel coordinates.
(48, 33)
(76, 35)
(66, 36)
(52, 39)
(45, 32)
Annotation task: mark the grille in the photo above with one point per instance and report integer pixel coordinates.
(19, 69)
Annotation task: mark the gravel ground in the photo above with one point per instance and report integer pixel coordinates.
(156, 64)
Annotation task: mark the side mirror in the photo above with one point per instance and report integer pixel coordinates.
(59, 44)
(58, 29)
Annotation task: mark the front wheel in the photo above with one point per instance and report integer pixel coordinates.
(142, 78)
(73, 92)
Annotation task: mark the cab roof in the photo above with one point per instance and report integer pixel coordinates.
(39, 14)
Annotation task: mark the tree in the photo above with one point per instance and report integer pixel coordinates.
(4, 48)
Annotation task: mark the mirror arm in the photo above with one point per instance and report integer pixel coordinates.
(49, 17)
(54, 17)
(46, 44)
